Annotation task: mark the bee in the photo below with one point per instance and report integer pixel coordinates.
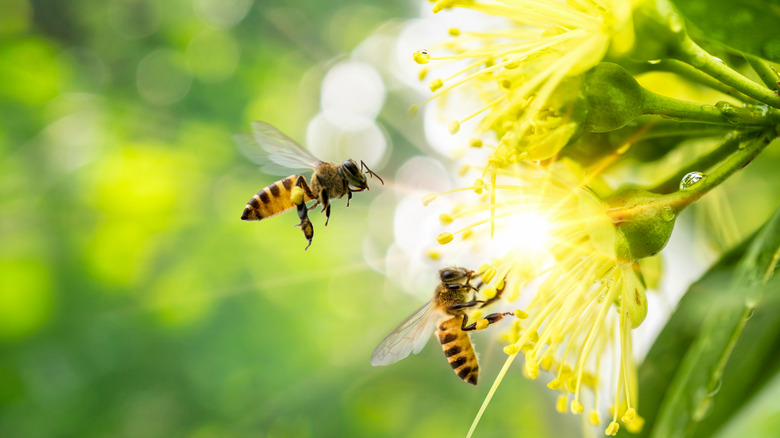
(270, 147)
(447, 313)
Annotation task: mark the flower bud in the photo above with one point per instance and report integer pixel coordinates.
(643, 224)
(612, 96)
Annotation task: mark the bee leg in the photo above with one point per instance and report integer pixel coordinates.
(467, 304)
(349, 196)
(492, 318)
(306, 226)
(324, 200)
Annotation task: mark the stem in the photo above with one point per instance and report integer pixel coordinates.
(690, 53)
(703, 163)
(686, 71)
(765, 72)
(683, 198)
(722, 113)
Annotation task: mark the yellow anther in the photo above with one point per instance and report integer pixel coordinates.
(412, 111)
(488, 275)
(433, 254)
(534, 336)
(421, 56)
(512, 65)
(629, 415)
(593, 418)
(612, 429)
(475, 143)
(520, 314)
(445, 219)
(560, 404)
(505, 84)
(435, 84)
(454, 127)
(454, 31)
(422, 74)
(489, 292)
(296, 195)
(478, 186)
(482, 324)
(466, 234)
(576, 407)
(444, 238)
(531, 368)
(511, 349)
(547, 363)
(554, 384)
(635, 425)
(463, 170)
(500, 284)
(430, 197)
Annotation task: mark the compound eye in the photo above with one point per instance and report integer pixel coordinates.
(448, 275)
(351, 167)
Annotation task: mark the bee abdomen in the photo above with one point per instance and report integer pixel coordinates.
(458, 350)
(272, 200)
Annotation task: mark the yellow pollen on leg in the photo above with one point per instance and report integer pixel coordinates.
(296, 195)
(482, 324)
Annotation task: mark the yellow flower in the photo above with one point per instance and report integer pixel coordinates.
(576, 325)
(527, 73)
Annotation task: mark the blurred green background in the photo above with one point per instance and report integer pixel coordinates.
(134, 302)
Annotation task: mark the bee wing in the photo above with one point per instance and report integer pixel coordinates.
(273, 150)
(409, 337)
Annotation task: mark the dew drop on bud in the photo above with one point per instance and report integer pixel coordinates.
(421, 56)
(690, 179)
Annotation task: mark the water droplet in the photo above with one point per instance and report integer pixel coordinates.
(421, 56)
(668, 214)
(690, 179)
(717, 387)
(723, 106)
(654, 61)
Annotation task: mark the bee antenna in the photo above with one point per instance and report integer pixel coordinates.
(370, 172)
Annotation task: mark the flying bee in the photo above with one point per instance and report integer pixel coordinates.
(270, 147)
(447, 312)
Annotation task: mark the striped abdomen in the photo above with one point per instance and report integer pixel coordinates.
(272, 200)
(457, 347)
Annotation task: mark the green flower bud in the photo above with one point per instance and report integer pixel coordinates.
(612, 96)
(643, 226)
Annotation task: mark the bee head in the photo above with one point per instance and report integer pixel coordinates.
(354, 176)
(455, 275)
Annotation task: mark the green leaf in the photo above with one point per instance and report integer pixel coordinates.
(747, 25)
(720, 346)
